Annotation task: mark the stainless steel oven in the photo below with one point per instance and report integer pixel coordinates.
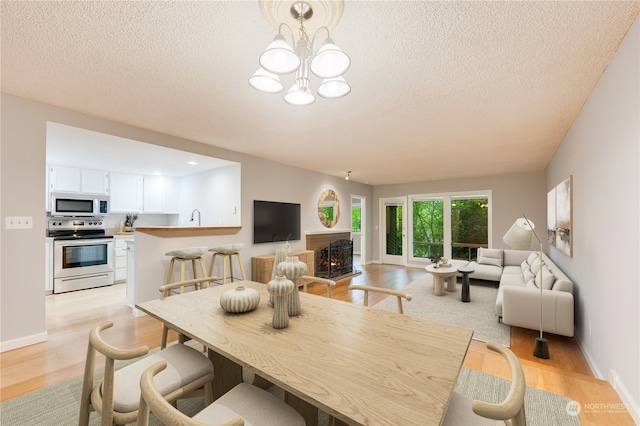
(82, 254)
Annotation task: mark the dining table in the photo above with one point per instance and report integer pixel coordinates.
(360, 365)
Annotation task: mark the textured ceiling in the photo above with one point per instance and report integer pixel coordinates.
(440, 89)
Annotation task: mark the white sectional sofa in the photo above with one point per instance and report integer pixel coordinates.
(520, 275)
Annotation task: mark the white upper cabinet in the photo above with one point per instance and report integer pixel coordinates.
(172, 195)
(75, 179)
(153, 194)
(65, 179)
(126, 193)
(95, 182)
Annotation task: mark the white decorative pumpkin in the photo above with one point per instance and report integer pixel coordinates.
(240, 299)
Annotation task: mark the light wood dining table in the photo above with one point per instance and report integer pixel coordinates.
(362, 366)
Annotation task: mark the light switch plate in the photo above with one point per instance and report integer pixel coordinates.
(19, 222)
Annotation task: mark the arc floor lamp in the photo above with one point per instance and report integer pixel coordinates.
(519, 237)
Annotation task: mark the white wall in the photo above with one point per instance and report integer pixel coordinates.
(601, 151)
(22, 191)
(215, 193)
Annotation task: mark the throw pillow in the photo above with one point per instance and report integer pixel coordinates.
(533, 256)
(535, 266)
(531, 283)
(524, 266)
(490, 256)
(527, 275)
(547, 278)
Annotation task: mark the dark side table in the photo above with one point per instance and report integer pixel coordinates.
(465, 271)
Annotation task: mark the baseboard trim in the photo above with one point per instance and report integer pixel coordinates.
(23, 341)
(614, 381)
(625, 396)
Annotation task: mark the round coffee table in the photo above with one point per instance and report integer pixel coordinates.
(441, 274)
(465, 271)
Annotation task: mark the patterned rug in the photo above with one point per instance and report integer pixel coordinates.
(477, 314)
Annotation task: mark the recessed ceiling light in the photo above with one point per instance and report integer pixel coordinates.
(157, 174)
(193, 163)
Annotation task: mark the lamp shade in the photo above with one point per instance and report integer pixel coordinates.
(299, 96)
(520, 235)
(265, 81)
(279, 57)
(330, 61)
(333, 88)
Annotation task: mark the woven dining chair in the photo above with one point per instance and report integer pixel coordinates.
(397, 293)
(305, 280)
(116, 397)
(243, 403)
(170, 289)
(464, 411)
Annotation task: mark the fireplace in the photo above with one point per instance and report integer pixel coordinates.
(335, 260)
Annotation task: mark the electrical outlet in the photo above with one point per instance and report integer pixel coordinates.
(19, 222)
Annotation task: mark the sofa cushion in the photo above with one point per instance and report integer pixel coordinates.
(485, 272)
(490, 256)
(511, 270)
(546, 277)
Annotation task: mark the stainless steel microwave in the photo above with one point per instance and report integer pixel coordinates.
(68, 204)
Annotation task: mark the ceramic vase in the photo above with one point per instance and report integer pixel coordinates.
(239, 300)
(293, 269)
(280, 287)
(281, 256)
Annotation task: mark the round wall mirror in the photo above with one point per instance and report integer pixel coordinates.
(329, 208)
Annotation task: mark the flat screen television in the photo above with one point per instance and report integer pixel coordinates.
(274, 221)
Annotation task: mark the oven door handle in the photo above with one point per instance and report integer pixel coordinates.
(83, 242)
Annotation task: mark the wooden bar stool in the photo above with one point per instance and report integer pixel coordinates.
(193, 254)
(227, 251)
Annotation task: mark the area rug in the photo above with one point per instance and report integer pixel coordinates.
(59, 404)
(477, 314)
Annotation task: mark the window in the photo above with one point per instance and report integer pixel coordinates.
(451, 225)
(428, 227)
(469, 226)
(356, 219)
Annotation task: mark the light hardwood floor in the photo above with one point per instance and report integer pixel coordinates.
(71, 315)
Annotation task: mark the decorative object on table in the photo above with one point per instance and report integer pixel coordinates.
(519, 237)
(293, 269)
(240, 299)
(435, 260)
(130, 218)
(280, 287)
(281, 256)
(559, 216)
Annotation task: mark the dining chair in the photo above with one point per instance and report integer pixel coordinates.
(511, 411)
(116, 397)
(366, 288)
(243, 403)
(170, 289)
(308, 279)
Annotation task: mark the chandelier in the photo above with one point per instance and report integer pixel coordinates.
(329, 62)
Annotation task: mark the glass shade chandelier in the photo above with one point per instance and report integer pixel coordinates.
(329, 63)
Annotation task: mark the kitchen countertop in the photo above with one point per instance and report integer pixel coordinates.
(169, 231)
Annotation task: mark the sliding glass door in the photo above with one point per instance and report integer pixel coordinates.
(394, 236)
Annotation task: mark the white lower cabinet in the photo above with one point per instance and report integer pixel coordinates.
(48, 265)
(120, 267)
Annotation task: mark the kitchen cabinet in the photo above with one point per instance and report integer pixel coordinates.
(131, 272)
(153, 194)
(65, 178)
(171, 195)
(95, 182)
(48, 265)
(120, 258)
(126, 193)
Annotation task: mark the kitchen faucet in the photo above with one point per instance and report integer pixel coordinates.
(193, 213)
